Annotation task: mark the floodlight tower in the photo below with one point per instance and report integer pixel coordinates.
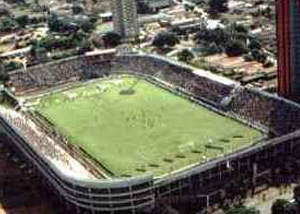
(288, 44)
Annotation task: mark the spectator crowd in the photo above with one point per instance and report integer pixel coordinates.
(40, 141)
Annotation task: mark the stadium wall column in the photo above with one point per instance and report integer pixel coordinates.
(254, 178)
(91, 198)
(295, 47)
(283, 43)
(288, 43)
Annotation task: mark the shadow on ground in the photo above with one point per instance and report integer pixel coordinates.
(20, 190)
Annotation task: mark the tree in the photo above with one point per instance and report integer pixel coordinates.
(219, 36)
(62, 24)
(185, 55)
(297, 194)
(58, 42)
(3, 76)
(254, 44)
(4, 11)
(297, 197)
(84, 46)
(239, 28)
(164, 39)
(87, 26)
(19, 2)
(282, 206)
(8, 24)
(111, 39)
(22, 20)
(242, 210)
(142, 7)
(39, 50)
(290, 208)
(53, 23)
(259, 55)
(77, 9)
(212, 48)
(235, 48)
(177, 30)
(41, 55)
(46, 42)
(278, 206)
(267, 12)
(189, 7)
(218, 6)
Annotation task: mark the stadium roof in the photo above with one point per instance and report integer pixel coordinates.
(197, 71)
(99, 52)
(215, 77)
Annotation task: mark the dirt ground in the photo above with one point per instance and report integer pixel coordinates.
(19, 190)
(239, 62)
(263, 202)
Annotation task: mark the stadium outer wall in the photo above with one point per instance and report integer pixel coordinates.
(205, 184)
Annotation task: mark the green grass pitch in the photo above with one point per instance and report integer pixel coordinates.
(131, 126)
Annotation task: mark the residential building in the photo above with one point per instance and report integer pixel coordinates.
(125, 18)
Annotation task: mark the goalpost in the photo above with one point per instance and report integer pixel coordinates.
(143, 158)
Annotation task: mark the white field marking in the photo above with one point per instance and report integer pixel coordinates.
(72, 95)
(116, 81)
(101, 88)
(186, 147)
(143, 157)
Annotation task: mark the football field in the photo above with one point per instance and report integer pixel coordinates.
(131, 126)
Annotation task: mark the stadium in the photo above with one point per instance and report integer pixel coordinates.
(125, 133)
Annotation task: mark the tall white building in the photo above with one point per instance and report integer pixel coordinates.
(125, 18)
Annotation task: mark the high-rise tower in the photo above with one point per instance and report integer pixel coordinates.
(125, 18)
(288, 43)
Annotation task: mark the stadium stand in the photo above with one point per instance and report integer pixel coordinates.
(43, 143)
(244, 103)
(280, 115)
